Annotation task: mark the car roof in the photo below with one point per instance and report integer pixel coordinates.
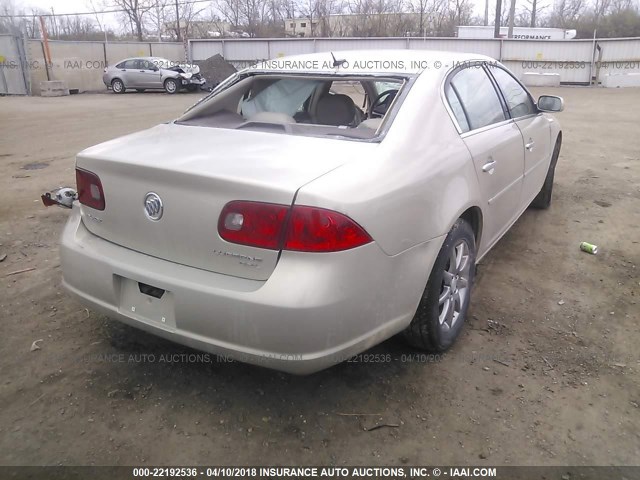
(141, 58)
(365, 62)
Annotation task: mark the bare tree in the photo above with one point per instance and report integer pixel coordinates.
(600, 8)
(77, 28)
(157, 16)
(619, 6)
(99, 18)
(529, 12)
(370, 17)
(184, 20)
(567, 12)
(254, 13)
(309, 10)
(135, 11)
(325, 9)
(422, 9)
(11, 23)
(231, 11)
(217, 26)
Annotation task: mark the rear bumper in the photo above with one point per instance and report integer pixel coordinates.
(314, 311)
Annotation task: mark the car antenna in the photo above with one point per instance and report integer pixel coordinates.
(337, 63)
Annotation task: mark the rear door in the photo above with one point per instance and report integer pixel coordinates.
(127, 72)
(494, 142)
(138, 75)
(535, 129)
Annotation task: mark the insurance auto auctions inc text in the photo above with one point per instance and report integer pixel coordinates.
(366, 472)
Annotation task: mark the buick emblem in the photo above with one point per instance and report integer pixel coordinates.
(153, 207)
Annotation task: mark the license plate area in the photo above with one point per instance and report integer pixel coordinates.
(147, 303)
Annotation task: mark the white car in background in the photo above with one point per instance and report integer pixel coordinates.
(148, 73)
(310, 208)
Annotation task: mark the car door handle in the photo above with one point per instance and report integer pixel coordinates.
(529, 146)
(489, 166)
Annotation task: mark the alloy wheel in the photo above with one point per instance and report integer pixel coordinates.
(455, 285)
(171, 86)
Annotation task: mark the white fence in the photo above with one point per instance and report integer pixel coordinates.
(80, 64)
(12, 66)
(576, 61)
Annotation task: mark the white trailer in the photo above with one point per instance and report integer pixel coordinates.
(519, 33)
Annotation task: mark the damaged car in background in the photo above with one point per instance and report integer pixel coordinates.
(294, 218)
(149, 73)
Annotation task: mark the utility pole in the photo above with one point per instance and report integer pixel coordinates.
(486, 13)
(45, 43)
(496, 25)
(56, 32)
(178, 22)
(160, 19)
(512, 14)
(533, 13)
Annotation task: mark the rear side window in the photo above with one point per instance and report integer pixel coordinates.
(145, 65)
(456, 108)
(518, 100)
(478, 97)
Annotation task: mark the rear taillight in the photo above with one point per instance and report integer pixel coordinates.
(253, 223)
(300, 228)
(318, 230)
(90, 191)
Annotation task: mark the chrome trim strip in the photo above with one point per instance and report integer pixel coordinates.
(487, 128)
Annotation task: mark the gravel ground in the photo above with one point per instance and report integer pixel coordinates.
(546, 371)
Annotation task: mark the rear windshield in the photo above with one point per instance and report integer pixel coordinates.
(349, 107)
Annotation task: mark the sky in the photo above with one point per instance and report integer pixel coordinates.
(71, 6)
(68, 6)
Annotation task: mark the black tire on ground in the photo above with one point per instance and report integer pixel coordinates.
(425, 330)
(192, 88)
(543, 199)
(118, 86)
(171, 86)
(140, 90)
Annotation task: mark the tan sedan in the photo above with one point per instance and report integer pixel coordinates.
(313, 206)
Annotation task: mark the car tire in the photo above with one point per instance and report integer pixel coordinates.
(543, 199)
(117, 86)
(171, 86)
(140, 90)
(445, 301)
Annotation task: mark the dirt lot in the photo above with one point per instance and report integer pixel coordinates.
(547, 370)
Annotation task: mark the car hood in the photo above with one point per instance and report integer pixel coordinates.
(184, 68)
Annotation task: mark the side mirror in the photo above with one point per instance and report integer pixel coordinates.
(550, 103)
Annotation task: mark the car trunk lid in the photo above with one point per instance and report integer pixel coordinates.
(195, 171)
